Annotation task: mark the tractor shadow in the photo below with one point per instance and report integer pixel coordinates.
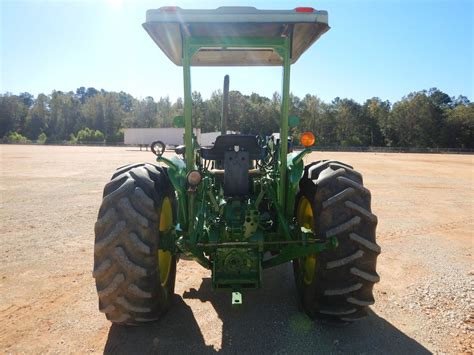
(268, 322)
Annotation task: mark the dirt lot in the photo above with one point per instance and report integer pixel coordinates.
(425, 300)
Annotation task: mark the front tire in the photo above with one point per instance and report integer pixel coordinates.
(134, 279)
(333, 202)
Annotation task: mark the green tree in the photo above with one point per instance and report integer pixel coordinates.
(428, 118)
(15, 137)
(93, 112)
(415, 122)
(264, 118)
(27, 99)
(88, 135)
(198, 112)
(38, 116)
(212, 113)
(349, 130)
(13, 112)
(459, 131)
(237, 112)
(42, 138)
(145, 113)
(375, 119)
(178, 107)
(163, 111)
(439, 98)
(65, 115)
(113, 114)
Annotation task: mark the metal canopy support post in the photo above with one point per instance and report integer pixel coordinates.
(188, 126)
(285, 93)
(282, 46)
(192, 45)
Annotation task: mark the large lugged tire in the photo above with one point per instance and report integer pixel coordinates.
(134, 279)
(337, 283)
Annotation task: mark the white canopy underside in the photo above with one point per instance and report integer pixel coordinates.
(167, 28)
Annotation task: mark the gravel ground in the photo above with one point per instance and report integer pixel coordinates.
(447, 302)
(49, 198)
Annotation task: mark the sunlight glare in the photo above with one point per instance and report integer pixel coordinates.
(115, 3)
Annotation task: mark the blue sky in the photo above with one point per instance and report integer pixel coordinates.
(383, 48)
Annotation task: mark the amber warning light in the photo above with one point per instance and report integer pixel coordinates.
(307, 139)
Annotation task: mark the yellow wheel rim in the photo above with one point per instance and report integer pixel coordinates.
(304, 217)
(164, 257)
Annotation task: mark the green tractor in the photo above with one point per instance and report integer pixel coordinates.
(242, 205)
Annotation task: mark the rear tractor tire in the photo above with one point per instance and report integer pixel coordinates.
(134, 279)
(336, 284)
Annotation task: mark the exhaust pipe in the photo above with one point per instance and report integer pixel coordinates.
(225, 106)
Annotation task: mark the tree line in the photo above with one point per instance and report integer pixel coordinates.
(428, 118)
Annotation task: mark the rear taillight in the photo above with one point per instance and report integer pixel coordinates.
(304, 9)
(170, 8)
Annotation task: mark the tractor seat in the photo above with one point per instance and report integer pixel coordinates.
(235, 153)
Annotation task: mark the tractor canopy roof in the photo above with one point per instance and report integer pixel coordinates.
(167, 26)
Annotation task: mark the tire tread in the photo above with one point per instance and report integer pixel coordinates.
(126, 243)
(344, 277)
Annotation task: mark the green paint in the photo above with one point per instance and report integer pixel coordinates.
(230, 236)
(188, 125)
(284, 123)
(295, 173)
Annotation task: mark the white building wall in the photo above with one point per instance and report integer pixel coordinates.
(146, 136)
